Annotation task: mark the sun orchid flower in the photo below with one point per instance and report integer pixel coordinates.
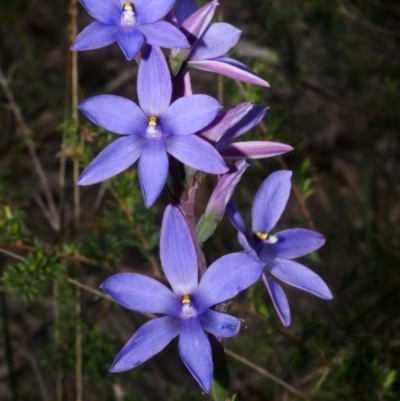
(152, 130)
(275, 251)
(130, 24)
(188, 307)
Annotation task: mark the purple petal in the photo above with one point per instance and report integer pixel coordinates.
(148, 341)
(299, 276)
(130, 40)
(217, 40)
(252, 150)
(220, 324)
(270, 201)
(108, 12)
(236, 218)
(293, 243)
(142, 294)
(279, 300)
(182, 85)
(225, 278)
(153, 170)
(148, 12)
(184, 8)
(242, 238)
(116, 157)
(154, 82)
(189, 114)
(225, 120)
(195, 351)
(224, 189)
(196, 153)
(230, 68)
(95, 36)
(163, 34)
(177, 252)
(115, 114)
(197, 21)
(251, 119)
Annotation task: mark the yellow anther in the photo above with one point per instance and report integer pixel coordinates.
(186, 299)
(153, 121)
(127, 6)
(261, 236)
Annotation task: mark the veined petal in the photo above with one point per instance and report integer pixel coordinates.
(195, 351)
(270, 201)
(217, 40)
(299, 276)
(219, 324)
(230, 68)
(154, 82)
(148, 12)
(163, 34)
(142, 294)
(251, 119)
(108, 12)
(225, 120)
(279, 300)
(293, 243)
(225, 278)
(130, 40)
(116, 114)
(189, 114)
(153, 170)
(195, 22)
(95, 36)
(236, 218)
(148, 341)
(184, 8)
(178, 253)
(252, 150)
(116, 157)
(196, 153)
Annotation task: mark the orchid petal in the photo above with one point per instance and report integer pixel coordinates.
(182, 85)
(230, 68)
(108, 12)
(115, 114)
(270, 201)
(236, 218)
(184, 8)
(252, 150)
(189, 114)
(149, 340)
(293, 243)
(95, 36)
(225, 120)
(250, 120)
(148, 12)
(177, 252)
(195, 351)
(196, 153)
(163, 34)
(130, 41)
(154, 82)
(220, 324)
(217, 40)
(279, 300)
(142, 294)
(153, 170)
(299, 276)
(225, 278)
(116, 157)
(246, 246)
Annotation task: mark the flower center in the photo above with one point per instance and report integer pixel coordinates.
(128, 16)
(188, 308)
(153, 129)
(271, 239)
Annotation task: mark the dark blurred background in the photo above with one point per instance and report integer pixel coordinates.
(334, 69)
